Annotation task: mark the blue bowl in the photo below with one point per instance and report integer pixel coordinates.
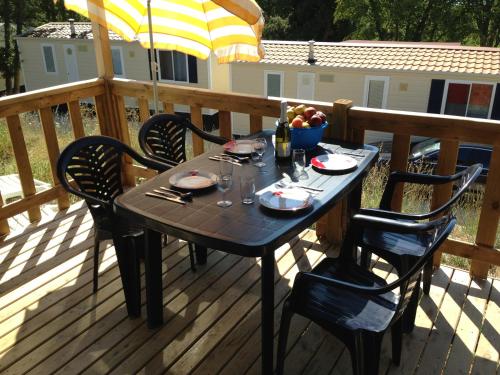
(307, 138)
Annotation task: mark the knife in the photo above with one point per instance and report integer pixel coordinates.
(176, 200)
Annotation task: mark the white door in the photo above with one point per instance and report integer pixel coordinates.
(305, 86)
(71, 63)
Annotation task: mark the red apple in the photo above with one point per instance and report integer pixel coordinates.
(309, 112)
(297, 122)
(322, 115)
(315, 120)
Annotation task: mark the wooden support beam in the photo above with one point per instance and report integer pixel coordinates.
(49, 131)
(197, 120)
(399, 162)
(477, 253)
(76, 119)
(124, 136)
(23, 164)
(168, 107)
(490, 211)
(225, 128)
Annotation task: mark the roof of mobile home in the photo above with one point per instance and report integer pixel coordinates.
(372, 55)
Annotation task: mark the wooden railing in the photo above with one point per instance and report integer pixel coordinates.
(349, 123)
(43, 101)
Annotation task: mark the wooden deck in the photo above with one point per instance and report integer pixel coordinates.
(50, 322)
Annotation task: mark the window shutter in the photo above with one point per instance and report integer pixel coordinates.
(193, 69)
(495, 111)
(435, 96)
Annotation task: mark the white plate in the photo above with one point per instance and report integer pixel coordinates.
(293, 199)
(239, 146)
(193, 180)
(334, 163)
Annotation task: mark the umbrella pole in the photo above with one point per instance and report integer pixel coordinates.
(153, 60)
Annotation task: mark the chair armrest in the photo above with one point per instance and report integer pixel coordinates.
(393, 214)
(207, 136)
(391, 225)
(414, 178)
(155, 164)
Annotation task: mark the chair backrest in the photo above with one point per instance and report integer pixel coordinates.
(462, 181)
(163, 137)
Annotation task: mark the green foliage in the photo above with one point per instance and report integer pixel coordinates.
(466, 21)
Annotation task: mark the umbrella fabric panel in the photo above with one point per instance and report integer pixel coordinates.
(194, 27)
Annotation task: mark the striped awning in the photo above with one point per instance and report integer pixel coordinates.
(232, 29)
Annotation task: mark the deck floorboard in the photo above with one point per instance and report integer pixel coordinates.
(51, 322)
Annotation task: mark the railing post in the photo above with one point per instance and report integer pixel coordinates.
(447, 163)
(23, 164)
(197, 120)
(332, 225)
(225, 128)
(4, 224)
(399, 162)
(488, 221)
(255, 124)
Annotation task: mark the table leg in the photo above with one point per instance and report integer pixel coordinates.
(128, 263)
(201, 254)
(267, 307)
(154, 290)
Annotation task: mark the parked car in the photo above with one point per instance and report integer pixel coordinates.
(427, 153)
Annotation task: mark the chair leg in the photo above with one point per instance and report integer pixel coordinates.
(286, 317)
(397, 340)
(191, 256)
(365, 353)
(428, 269)
(365, 259)
(96, 263)
(411, 310)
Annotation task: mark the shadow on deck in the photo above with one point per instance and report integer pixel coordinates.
(52, 323)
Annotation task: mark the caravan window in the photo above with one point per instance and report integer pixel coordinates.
(49, 58)
(117, 57)
(468, 99)
(177, 66)
(273, 83)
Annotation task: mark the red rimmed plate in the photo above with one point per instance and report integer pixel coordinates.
(335, 163)
(239, 147)
(293, 199)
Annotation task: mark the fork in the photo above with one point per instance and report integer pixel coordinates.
(187, 196)
(238, 158)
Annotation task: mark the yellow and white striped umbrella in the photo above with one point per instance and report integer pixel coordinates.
(232, 29)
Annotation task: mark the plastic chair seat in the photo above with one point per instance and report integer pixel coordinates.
(327, 305)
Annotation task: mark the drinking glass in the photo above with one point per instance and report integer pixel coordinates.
(247, 189)
(224, 183)
(299, 163)
(225, 180)
(259, 146)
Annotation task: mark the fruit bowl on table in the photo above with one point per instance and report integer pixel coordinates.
(307, 138)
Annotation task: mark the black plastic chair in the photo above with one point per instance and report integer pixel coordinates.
(163, 137)
(354, 304)
(95, 165)
(402, 250)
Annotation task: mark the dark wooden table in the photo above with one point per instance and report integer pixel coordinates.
(246, 230)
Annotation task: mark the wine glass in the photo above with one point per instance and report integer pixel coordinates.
(259, 146)
(225, 179)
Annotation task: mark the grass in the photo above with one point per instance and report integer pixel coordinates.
(416, 197)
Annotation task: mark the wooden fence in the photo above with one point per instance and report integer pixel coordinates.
(349, 123)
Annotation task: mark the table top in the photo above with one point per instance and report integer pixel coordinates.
(248, 230)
